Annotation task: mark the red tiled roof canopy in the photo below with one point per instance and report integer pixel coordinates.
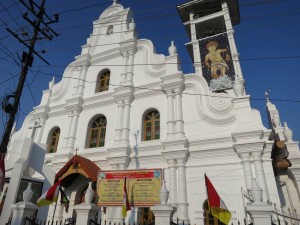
(86, 165)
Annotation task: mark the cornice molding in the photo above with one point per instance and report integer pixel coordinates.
(153, 145)
(142, 91)
(82, 60)
(57, 110)
(123, 93)
(40, 111)
(105, 56)
(74, 103)
(99, 99)
(248, 136)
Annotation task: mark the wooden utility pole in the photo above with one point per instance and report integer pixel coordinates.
(27, 59)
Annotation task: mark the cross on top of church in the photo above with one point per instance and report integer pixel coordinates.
(76, 150)
(34, 127)
(115, 2)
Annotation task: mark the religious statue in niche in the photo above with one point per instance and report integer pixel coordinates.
(217, 66)
(215, 61)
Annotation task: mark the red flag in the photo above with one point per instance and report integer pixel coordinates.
(2, 172)
(217, 206)
(126, 206)
(49, 196)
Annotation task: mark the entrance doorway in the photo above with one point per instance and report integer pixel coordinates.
(147, 216)
(209, 219)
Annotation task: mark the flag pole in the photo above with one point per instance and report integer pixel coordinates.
(54, 212)
(206, 193)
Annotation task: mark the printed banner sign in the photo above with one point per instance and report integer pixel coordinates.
(143, 187)
(217, 65)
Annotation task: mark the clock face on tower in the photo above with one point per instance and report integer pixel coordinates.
(216, 62)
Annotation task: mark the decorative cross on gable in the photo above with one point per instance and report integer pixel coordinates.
(76, 150)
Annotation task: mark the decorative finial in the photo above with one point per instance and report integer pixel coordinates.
(115, 2)
(267, 94)
(164, 193)
(172, 49)
(27, 194)
(51, 83)
(132, 24)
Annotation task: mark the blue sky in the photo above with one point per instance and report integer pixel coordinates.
(267, 39)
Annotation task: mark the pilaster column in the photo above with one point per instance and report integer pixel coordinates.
(82, 79)
(22, 210)
(70, 121)
(124, 69)
(172, 182)
(261, 213)
(178, 114)
(130, 66)
(73, 131)
(170, 122)
(183, 213)
(85, 212)
(260, 174)
(229, 28)
(126, 121)
(195, 43)
(246, 162)
(197, 61)
(115, 215)
(79, 70)
(162, 213)
(119, 121)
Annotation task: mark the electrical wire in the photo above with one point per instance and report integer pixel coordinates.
(245, 28)
(30, 91)
(143, 11)
(155, 9)
(20, 27)
(169, 63)
(161, 91)
(2, 82)
(260, 2)
(7, 7)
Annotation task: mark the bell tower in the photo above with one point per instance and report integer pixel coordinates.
(209, 25)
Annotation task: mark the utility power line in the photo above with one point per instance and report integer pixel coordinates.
(169, 63)
(38, 12)
(161, 91)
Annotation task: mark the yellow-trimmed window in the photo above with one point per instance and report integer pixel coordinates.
(103, 81)
(53, 141)
(151, 126)
(97, 132)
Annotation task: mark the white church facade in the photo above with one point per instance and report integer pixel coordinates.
(122, 106)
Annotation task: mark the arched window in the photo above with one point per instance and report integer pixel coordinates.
(151, 125)
(209, 219)
(103, 81)
(53, 141)
(110, 29)
(97, 132)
